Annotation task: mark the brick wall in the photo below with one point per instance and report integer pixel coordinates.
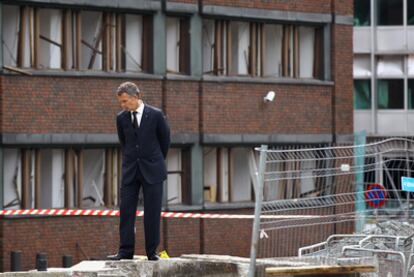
(343, 7)
(65, 105)
(89, 105)
(182, 106)
(342, 76)
(239, 108)
(98, 237)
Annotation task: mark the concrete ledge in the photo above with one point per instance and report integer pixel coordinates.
(139, 5)
(59, 139)
(81, 139)
(190, 265)
(265, 80)
(344, 20)
(272, 15)
(185, 8)
(87, 74)
(255, 139)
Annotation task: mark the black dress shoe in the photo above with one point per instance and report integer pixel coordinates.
(153, 257)
(118, 257)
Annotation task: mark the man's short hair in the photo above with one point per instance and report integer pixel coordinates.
(128, 87)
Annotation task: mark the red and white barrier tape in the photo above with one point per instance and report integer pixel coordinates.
(80, 212)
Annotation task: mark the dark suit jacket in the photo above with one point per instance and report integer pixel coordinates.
(145, 147)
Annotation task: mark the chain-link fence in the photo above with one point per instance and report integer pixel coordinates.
(303, 196)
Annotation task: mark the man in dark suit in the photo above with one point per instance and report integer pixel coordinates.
(144, 136)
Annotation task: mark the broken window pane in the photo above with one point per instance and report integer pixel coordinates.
(362, 94)
(390, 94)
(50, 38)
(410, 94)
(92, 33)
(307, 180)
(362, 12)
(133, 37)
(94, 169)
(272, 56)
(52, 178)
(390, 12)
(306, 51)
(174, 167)
(390, 66)
(290, 51)
(208, 45)
(210, 174)
(10, 23)
(173, 38)
(240, 38)
(362, 66)
(12, 179)
(241, 186)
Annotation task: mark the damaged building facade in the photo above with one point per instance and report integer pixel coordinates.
(383, 71)
(208, 64)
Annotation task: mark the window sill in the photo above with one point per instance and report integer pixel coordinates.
(86, 73)
(266, 80)
(181, 77)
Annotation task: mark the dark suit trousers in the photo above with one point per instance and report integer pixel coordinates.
(152, 215)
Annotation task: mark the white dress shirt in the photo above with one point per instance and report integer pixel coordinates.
(139, 111)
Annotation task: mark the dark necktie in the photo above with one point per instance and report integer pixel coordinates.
(135, 121)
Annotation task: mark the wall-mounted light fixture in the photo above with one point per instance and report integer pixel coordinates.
(270, 96)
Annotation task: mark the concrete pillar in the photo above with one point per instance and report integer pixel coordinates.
(196, 174)
(196, 56)
(159, 53)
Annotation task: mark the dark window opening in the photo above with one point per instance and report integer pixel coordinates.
(390, 94)
(390, 12)
(362, 12)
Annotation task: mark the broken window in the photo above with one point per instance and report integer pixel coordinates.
(239, 48)
(258, 49)
(362, 94)
(92, 32)
(57, 178)
(216, 46)
(227, 175)
(306, 51)
(50, 38)
(11, 21)
(210, 174)
(390, 93)
(93, 179)
(12, 180)
(208, 46)
(362, 12)
(241, 184)
(178, 45)
(174, 167)
(390, 12)
(290, 54)
(70, 39)
(272, 45)
(390, 66)
(52, 171)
